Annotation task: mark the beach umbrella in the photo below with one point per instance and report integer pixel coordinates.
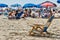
(39, 6)
(48, 4)
(29, 5)
(3, 5)
(15, 5)
(58, 1)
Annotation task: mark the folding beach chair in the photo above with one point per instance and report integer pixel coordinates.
(41, 29)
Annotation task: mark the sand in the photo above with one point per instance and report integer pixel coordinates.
(22, 27)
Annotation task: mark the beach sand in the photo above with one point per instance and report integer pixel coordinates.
(22, 27)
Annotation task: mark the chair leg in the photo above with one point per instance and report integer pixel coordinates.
(31, 32)
(35, 28)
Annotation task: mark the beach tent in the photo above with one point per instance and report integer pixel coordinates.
(16, 5)
(3, 5)
(58, 1)
(29, 5)
(48, 4)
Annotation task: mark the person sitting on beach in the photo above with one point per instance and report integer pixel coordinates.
(37, 14)
(33, 14)
(19, 13)
(12, 15)
(57, 14)
(29, 13)
(25, 13)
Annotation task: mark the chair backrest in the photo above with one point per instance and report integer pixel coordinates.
(48, 24)
(49, 21)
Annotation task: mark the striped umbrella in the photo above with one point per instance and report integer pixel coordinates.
(48, 3)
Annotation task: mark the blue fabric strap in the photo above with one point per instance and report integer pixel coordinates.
(45, 29)
(46, 26)
(51, 18)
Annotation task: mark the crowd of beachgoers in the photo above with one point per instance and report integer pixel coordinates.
(34, 13)
(43, 10)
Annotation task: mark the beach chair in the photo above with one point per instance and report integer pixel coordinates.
(41, 29)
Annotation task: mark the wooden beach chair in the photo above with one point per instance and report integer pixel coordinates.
(41, 29)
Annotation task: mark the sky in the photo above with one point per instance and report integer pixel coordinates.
(22, 2)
